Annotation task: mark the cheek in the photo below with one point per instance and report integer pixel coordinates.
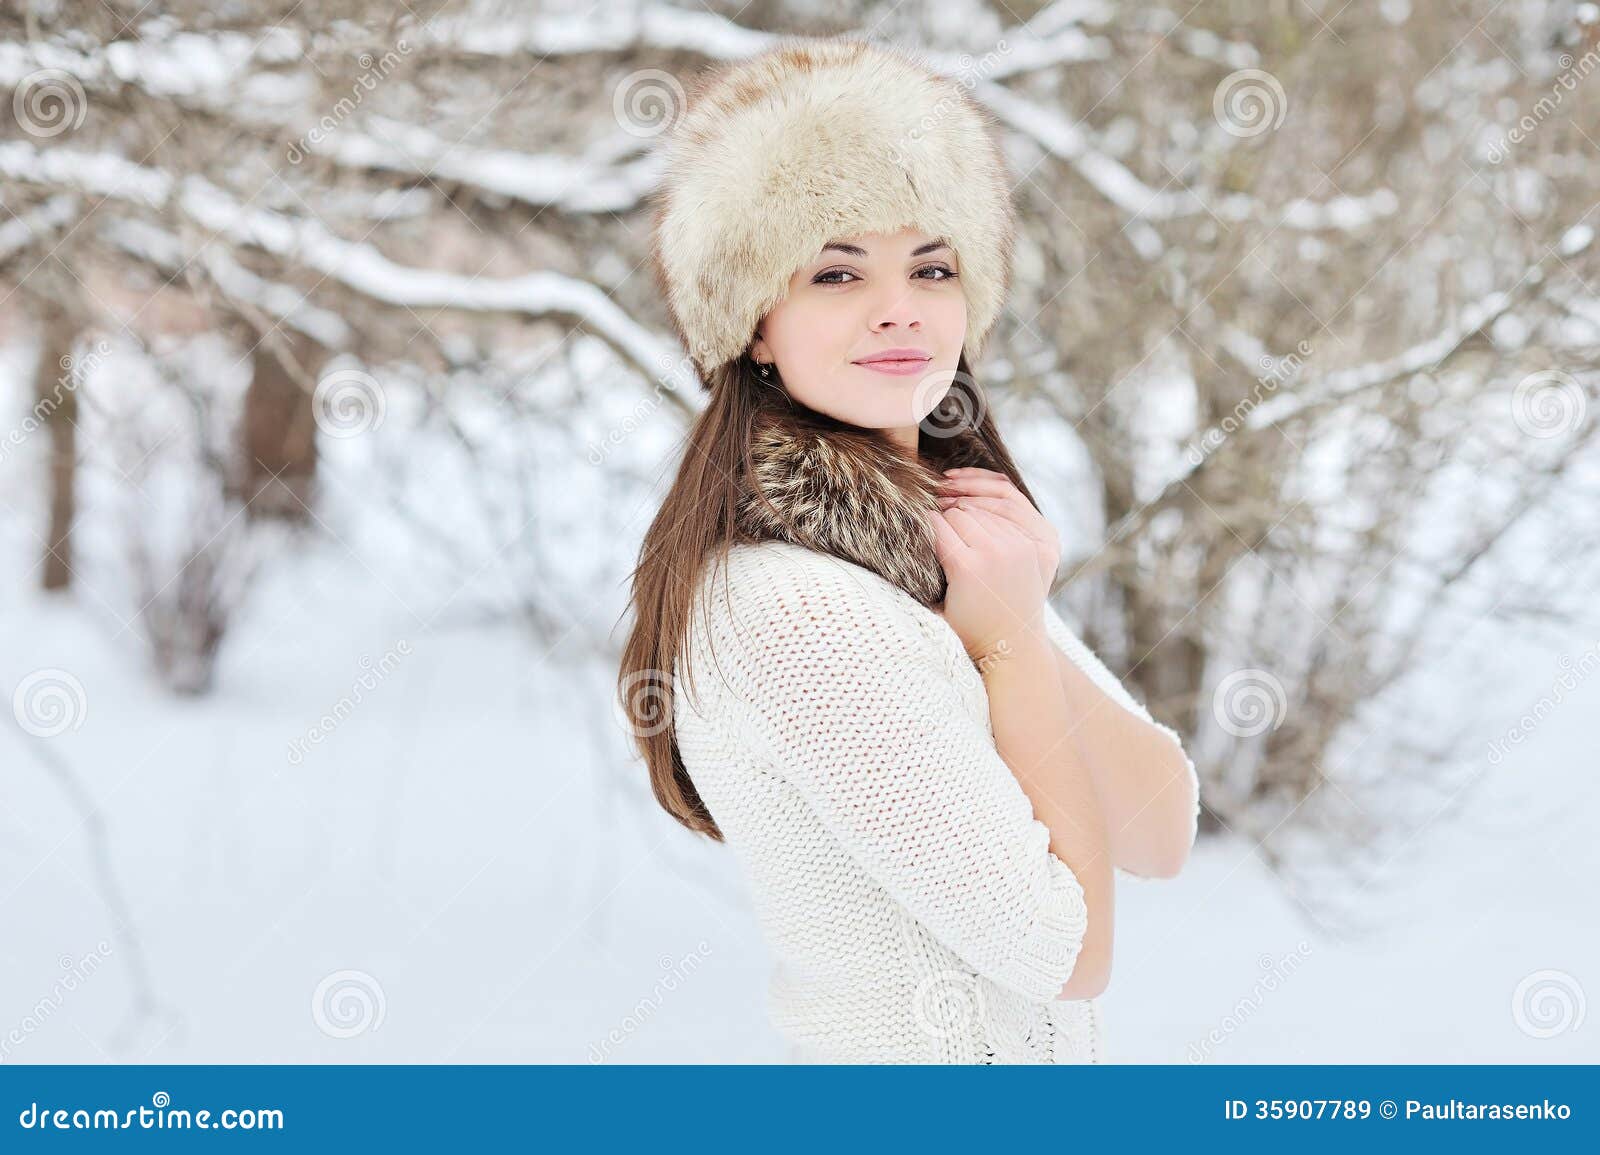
(951, 313)
(817, 331)
(815, 343)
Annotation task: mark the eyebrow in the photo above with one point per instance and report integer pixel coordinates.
(858, 251)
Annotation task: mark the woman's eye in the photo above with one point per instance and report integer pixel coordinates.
(823, 278)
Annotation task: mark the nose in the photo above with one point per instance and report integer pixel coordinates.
(898, 310)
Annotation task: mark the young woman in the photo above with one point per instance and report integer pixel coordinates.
(841, 621)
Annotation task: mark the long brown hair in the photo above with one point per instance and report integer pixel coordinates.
(696, 525)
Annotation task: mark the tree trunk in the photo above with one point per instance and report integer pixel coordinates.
(55, 392)
(278, 445)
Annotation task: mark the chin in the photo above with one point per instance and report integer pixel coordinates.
(886, 421)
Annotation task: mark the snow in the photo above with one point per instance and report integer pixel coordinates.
(1423, 355)
(357, 265)
(593, 28)
(159, 247)
(1575, 240)
(409, 794)
(208, 70)
(1066, 140)
(471, 847)
(575, 184)
(17, 232)
(461, 840)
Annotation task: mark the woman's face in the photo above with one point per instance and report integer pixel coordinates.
(860, 297)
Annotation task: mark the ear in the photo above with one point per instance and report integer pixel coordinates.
(760, 352)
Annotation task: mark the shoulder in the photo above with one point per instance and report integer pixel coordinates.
(775, 574)
(774, 594)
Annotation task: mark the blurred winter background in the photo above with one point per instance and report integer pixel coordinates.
(336, 394)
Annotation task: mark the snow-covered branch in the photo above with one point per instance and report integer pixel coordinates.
(1038, 44)
(284, 303)
(228, 71)
(358, 265)
(1197, 42)
(1065, 140)
(1475, 317)
(27, 229)
(218, 71)
(574, 185)
(1341, 384)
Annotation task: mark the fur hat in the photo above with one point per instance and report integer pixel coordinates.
(813, 141)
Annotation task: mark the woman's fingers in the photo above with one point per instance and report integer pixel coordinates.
(1000, 507)
(974, 534)
(990, 523)
(988, 486)
(947, 543)
(999, 490)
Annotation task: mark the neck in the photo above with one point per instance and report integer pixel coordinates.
(906, 436)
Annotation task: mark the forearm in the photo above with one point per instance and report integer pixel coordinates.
(1140, 777)
(1028, 710)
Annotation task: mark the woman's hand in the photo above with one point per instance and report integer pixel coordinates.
(985, 489)
(995, 591)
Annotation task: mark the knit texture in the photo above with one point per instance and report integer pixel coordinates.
(840, 736)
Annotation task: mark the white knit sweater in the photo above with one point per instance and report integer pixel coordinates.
(840, 737)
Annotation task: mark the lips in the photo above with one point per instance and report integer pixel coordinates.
(897, 362)
(901, 356)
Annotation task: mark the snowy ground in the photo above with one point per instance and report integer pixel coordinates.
(469, 868)
(507, 895)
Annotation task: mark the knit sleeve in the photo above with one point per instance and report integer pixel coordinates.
(853, 704)
(1082, 656)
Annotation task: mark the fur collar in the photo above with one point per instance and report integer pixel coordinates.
(853, 493)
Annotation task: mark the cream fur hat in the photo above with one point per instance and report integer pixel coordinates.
(814, 141)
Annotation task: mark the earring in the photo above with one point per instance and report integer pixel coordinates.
(763, 369)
